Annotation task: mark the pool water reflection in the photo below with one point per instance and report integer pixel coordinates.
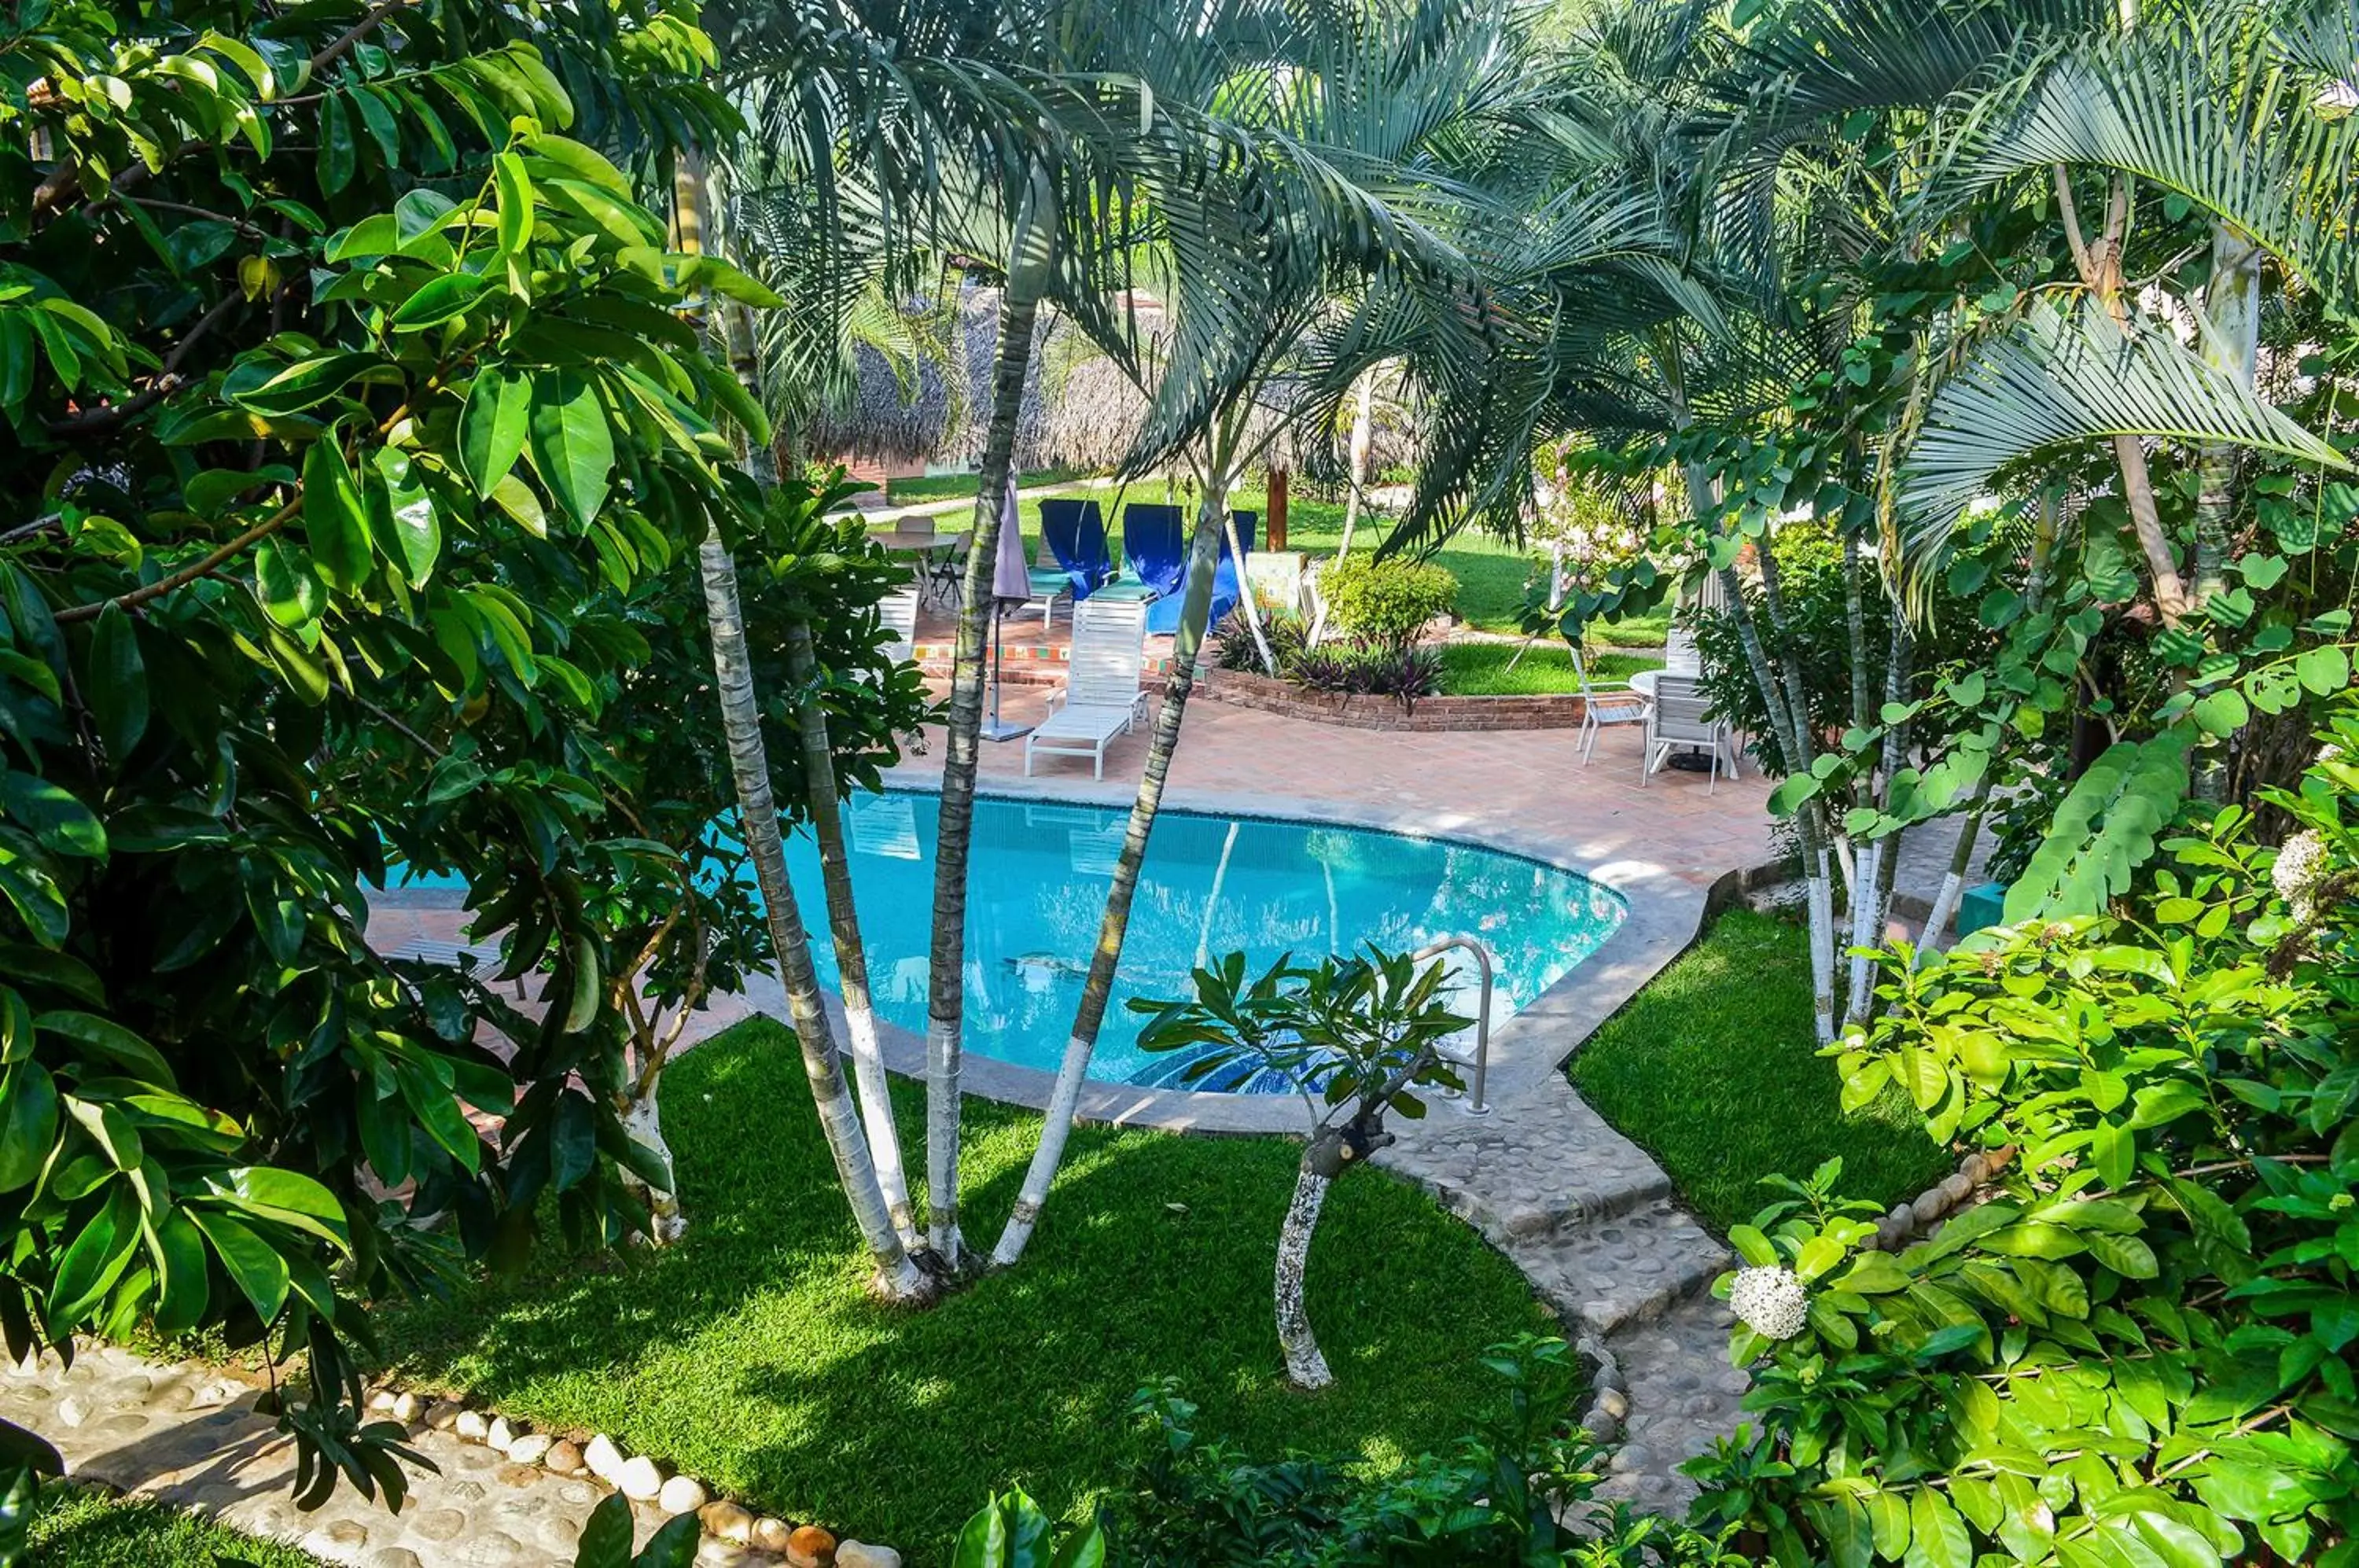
(1210, 886)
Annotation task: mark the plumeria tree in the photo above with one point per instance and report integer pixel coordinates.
(1356, 1039)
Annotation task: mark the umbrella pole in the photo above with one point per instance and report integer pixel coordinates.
(997, 728)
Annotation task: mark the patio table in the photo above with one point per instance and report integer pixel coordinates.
(929, 552)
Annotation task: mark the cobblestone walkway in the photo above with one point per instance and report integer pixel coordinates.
(187, 1433)
(1587, 1215)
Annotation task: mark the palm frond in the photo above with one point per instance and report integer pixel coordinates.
(2063, 377)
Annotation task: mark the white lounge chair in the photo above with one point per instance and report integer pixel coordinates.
(1603, 704)
(1679, 721)
(1101, 699)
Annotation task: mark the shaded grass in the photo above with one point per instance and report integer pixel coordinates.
(1713, 1070)
(749, 1355)
(1481, 668)
(77, 1529)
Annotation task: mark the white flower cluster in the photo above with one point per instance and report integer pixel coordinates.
(2301, 864)
(1769, 1302)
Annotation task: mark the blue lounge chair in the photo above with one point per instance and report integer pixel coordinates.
(1074, 532)
(1155, 550)
(1163, 615)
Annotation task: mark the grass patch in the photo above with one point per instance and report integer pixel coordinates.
(749, 1357)
(73, 1528)
(1712, 1071)
(945, 487)
(1481, 668)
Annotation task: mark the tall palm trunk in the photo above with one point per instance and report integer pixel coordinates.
(2100, 265)
(1783, 676)
(757, 823)
(1246, 599)
(2230, 343)
(1097, 991)
(1363, 437)
(843, 928)
(1030, 260)
(1962, 853)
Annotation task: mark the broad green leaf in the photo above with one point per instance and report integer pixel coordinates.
(306, 384)
(514, 189)
(28, 1123)
(182, 1278)
(437, 300)
(112, 1043)
(2324, 671)
(94, 1259)
(291, 592)
(515, 497)
(572, 449)
(117, 686)
(407, 513)
(334, 521)
(53, 815)
(1936, 1536)
(2221, 712)
(492, 426)
(252, 1263)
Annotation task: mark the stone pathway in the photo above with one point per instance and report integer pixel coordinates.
(1587, 1218)
(186, 1433)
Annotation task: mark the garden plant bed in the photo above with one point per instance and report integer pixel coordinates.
(1244, 689)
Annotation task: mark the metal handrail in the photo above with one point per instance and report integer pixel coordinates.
(1434, 949)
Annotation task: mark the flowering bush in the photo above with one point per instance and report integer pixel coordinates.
(2143, 1349)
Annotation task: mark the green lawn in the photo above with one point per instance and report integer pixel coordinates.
(1481, 668)
(1711, 1069)
(943, 487)
(78, 1529)
(749, 1357)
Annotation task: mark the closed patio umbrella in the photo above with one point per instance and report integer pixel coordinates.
(1011, 582)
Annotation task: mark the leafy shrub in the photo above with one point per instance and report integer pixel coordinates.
(1386, 601)
(2143, 1349)
(1498, 1498)
(1354, 667)
(1359, 668)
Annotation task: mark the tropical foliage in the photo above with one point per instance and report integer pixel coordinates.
(2141, 1345)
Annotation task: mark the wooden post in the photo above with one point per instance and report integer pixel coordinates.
(1275, 533)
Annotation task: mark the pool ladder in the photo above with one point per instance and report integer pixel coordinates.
(1480, 1061)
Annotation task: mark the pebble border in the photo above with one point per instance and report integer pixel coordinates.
(580, 1454)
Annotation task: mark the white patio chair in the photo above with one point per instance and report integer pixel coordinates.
(1680, 654)
(900, 610)
(1603, 704)
(1101, 699)
(1680, 721)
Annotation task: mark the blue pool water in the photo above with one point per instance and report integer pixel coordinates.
(1210, 886)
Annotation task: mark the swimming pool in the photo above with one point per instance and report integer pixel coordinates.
(1210, 886)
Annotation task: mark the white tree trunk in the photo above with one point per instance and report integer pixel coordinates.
(1305, 1366)
(1246, 599)
(1031, 259)
(643, 1123)
(1115, 924)
(1865, 931)
(1363, 435)
(758, 824)
(843, 928)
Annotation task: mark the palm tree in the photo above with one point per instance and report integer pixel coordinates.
(1335, 182)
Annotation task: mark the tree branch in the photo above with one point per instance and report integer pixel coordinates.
(108, 415)
(190, 573)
